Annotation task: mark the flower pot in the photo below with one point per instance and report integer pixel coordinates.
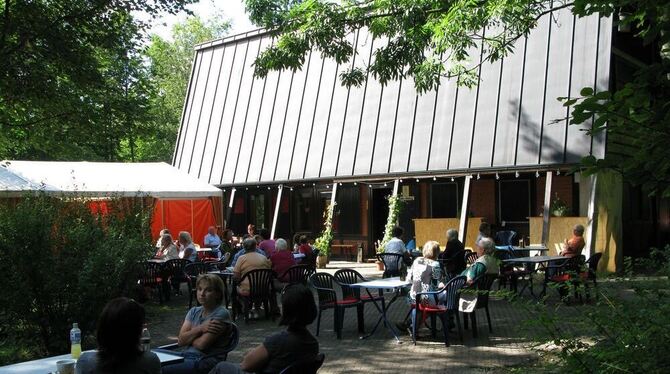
(380, 265)
(321, 262)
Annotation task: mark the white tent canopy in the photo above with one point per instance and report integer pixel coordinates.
(101, 179)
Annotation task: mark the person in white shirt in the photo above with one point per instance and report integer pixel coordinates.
(397, 246)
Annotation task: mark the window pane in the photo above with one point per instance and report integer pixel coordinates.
(514, 200)
(444, 200)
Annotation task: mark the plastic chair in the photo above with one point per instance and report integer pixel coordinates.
(174, 271)
(261, 291)
(151, 276)
(323, 283)
(592, 268)
(454, 265)
(564, 273)
(221, 355)
(305, 366)
(297, 274)
(450, 307)
(346, 277)
(505, 237)
(512, 273)
(393, 264)
(481, 285)
(470, 257)
(192, 270)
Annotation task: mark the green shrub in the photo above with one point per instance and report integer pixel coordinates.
(625, 330)
(61, 264)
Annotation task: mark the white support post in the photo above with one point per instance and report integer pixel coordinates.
(396, 185)
(230, 206)
(547, 205)
(333, 194)
(464, 209)
(592, 217)
(277, 205)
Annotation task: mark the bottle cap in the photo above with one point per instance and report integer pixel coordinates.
(75, 325)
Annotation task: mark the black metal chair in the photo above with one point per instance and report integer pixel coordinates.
(297, 274)
(204, 364)
(323, 283)
(562, 274)
(511, 274)
(450, 307)
(482, 286)
(192, 270)
(393, 264)
(592, 268)
(261, 291)
(305, 366)
(151, 277)
(346, 277)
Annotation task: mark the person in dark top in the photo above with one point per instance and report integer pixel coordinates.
(453, 252)
(279, 350)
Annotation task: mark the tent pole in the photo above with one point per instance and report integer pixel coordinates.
(277, 204)
(463, 223)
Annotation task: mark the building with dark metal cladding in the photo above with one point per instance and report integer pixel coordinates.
(498, 152)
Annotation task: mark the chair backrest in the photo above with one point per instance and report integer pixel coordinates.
(323, 283)
(392, 264)
(306, 366)
(345, 277)
(505, 237)
(151, 273)
(593, 263)
(483, 285)
(470, 257)
(453, 288)
(260, 283)
(297, 274)
(194, 269)
(176, 266)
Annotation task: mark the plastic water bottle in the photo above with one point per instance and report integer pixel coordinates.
(145, 339)
(75, 341)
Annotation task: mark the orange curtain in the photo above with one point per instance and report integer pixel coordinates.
(194, 216)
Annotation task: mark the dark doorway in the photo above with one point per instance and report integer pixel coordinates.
(380, 212)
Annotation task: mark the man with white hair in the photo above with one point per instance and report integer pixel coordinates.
(486, 263)
(282, 259)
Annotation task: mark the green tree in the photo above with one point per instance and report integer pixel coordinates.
(55, 56)
(170, 64)
(431, 39)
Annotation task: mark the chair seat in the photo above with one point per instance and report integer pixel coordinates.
(433, 308)
(347, 301)
(370, 298)
(560, 278)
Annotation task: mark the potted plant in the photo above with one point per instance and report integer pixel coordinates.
(323, 242)
(558, 207)
(395, 206)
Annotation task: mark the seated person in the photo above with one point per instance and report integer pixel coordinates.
(484, 232)
(267, 244)
(454, 252)
(307, 250)
(203, 331)
(284, 348)
(118, 335)
(242, 251)
(213, 241)
(187, 248)
(282, 259)
(250, 260)
(425, 273)
(167, 250)
(486, 263)
(573, 246)
(160, 237)
(227, 244)
(397, 246)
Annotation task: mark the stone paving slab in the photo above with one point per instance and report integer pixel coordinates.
(506, 346)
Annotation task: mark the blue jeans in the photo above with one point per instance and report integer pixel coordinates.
(193, 363)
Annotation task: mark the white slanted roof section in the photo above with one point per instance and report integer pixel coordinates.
(102, 179)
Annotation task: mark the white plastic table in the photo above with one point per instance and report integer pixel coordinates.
(48, 365)
(394, 284)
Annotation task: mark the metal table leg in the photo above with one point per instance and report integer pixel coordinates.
(383, 316)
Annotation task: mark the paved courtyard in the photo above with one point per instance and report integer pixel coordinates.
(506, 346)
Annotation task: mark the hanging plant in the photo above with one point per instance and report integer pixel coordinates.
(322, 243)
(395, 207)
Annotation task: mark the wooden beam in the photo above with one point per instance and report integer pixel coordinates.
(463, 224)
